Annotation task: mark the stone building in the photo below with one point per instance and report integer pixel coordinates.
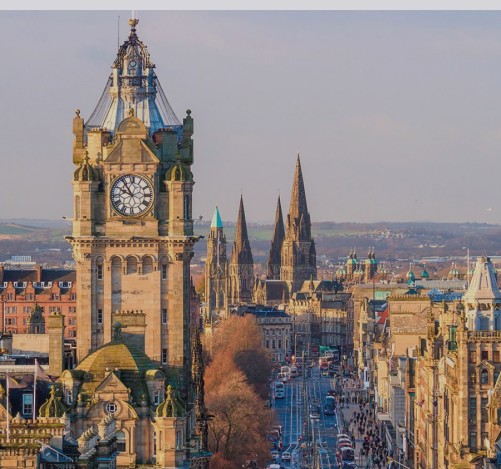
(26, 293)
(276, 328)
(457, 404)
(216, 271)
(136, 387)
(320, 316)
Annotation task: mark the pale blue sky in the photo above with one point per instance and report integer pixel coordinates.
(397, 115)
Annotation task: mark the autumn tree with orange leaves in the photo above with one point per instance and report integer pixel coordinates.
(236, 384)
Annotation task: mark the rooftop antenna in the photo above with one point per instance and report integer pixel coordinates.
(118, 33)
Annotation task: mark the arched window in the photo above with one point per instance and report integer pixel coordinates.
(484, 376)
(147, 265)
(121, 443)
(131, 265)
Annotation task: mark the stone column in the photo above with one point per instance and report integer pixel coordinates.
(56, 344)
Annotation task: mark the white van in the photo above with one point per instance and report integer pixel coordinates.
(279, 390)
(293, 372)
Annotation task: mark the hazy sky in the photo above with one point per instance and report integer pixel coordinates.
(397, 115)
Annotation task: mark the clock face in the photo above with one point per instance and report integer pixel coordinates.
(131, 195)
(132, 63)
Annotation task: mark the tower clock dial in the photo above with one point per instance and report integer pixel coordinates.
(131, 195)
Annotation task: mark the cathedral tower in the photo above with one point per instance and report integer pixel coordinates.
(216, 270)
(241, 270)
(299, 261)
(132, 234)
(275, 256)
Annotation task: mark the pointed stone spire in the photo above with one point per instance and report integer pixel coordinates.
(298, 197)
(241, 252)
(275, 256)
(216, 219)
(241, 263)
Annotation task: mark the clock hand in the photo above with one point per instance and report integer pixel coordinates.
(128, 189)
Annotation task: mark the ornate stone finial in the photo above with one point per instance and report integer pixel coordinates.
(86, 157)
(52, 407)
(172, 406)
(133, 23)
(77, 112)
(131, 112)
(117, 331)
(188, 112)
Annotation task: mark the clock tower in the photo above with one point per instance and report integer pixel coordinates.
(132, 234)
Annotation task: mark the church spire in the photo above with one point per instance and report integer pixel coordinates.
(298, 219)
(298, 249)
(241, 247)
(241, 276)
(298, 196)
(274, 258)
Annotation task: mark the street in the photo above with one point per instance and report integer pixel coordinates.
(310, 439)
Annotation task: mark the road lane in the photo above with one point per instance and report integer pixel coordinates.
(301, 431)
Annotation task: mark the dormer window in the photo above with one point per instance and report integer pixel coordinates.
(484, 376)
(156, 397)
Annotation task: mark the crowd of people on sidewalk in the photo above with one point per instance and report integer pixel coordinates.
(361, 424)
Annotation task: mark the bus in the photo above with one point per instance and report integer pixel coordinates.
(330, 405)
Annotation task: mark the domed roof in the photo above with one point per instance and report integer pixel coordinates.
(179, 172)
(425, 274)
(410, 275)
(131, 362)
(85, 172)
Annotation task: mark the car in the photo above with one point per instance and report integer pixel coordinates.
(275, 455)
(343, 435)
(286, 456)
(346, 454)
(314, 411)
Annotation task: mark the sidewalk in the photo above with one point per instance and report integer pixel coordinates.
(345, 415)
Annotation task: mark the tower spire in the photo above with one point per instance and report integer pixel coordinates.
(298, 204)
(241, 245)
(298, 248)
(241, 263)
(275, 256)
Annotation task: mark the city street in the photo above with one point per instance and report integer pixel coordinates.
(302, 431)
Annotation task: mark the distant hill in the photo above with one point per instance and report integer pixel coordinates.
(44, 239)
